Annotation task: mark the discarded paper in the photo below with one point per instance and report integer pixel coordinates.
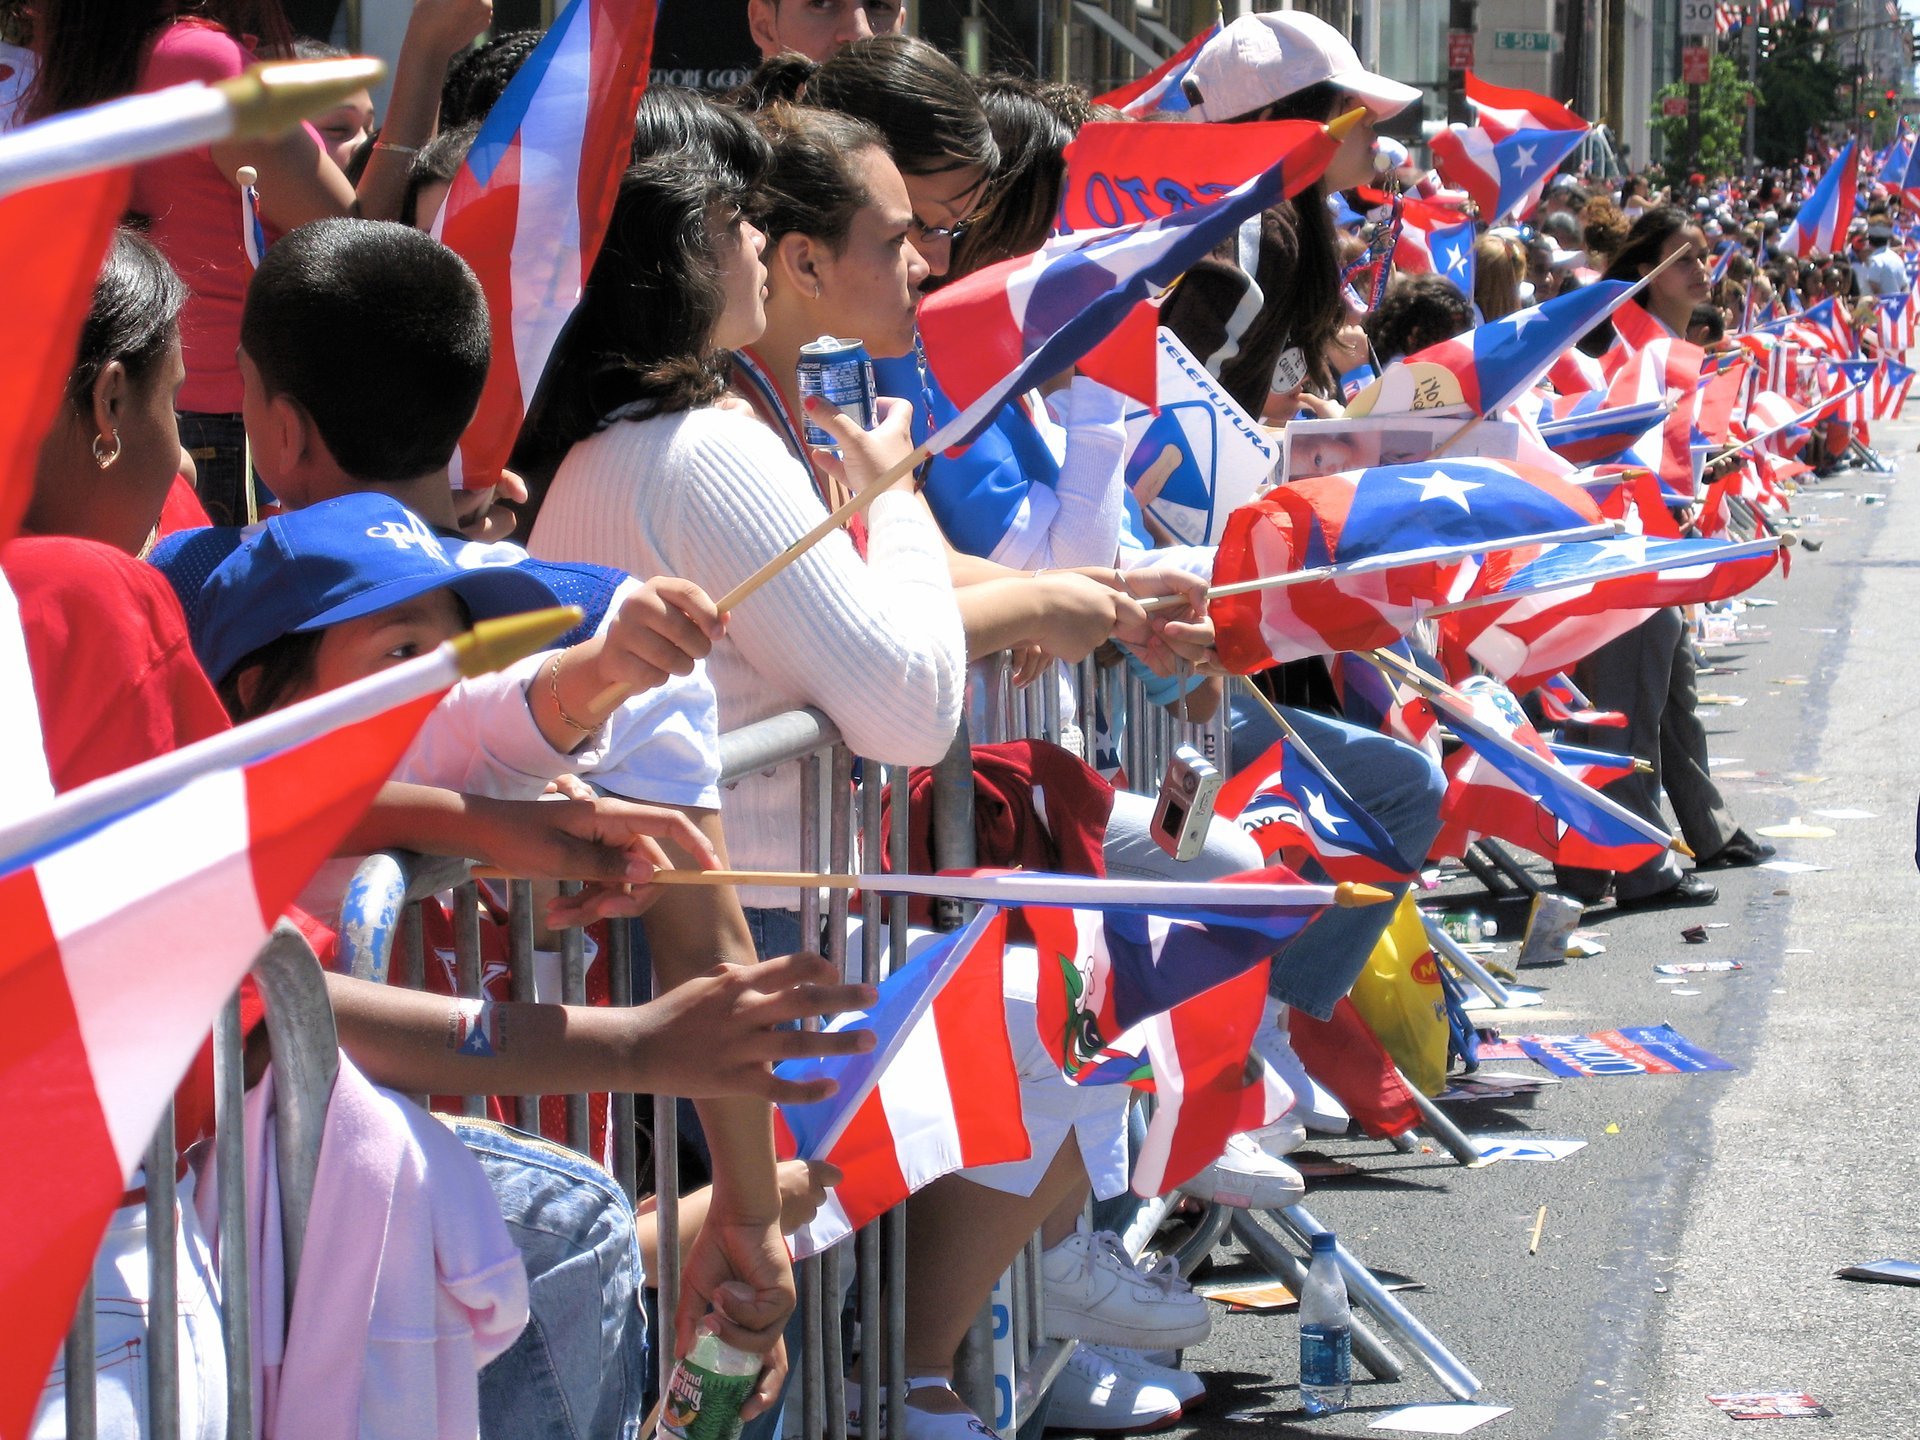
(1439, 1419)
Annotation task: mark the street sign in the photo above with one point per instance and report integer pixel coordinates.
(1674, 105)
(1460, 49)
(1696, 65)
(1536, 42)
(1696, 16)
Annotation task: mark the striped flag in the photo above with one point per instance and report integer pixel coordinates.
(1822, 221)
(1891, 382)
(52, 239)
(1284, 800)
(1158, 91)
(1506, 782)
(1001, 330)
(530, 205)
(938, 1093)
(132, 914)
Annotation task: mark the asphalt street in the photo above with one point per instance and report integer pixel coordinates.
(1690, 1247)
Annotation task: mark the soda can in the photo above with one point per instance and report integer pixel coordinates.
(840, 372)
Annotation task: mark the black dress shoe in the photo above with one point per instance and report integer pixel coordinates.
(1691, 890)
(1741, 850)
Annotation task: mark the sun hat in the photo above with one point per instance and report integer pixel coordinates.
(1259, 59)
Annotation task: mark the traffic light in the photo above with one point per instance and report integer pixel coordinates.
(1892, 95)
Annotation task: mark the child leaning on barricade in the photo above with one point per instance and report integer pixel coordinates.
(126, 695)
(117, 408)
(364, 350)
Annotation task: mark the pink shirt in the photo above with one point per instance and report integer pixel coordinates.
(196, 219)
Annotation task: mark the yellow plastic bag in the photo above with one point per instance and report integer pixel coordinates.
(1400, 998)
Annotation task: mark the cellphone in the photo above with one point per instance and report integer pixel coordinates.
(1185, 809)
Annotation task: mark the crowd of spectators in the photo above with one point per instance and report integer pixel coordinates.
(245, 501)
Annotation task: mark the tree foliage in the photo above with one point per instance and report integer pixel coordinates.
(1799, 92)
(1723, 122)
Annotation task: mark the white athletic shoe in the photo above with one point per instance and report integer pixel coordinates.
(1247, 1178)
(921, 1424)
(1102, 1392)
(1094, 1291)
(1314, 1105)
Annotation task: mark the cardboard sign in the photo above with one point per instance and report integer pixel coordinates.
(1225, 456)
(1632, 1050)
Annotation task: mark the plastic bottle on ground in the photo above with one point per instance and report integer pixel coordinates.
(1326, 1334)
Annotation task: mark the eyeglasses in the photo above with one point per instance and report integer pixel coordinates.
(937, 233)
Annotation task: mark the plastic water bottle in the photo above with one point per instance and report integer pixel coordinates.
(707, 1389)
(1326, 1334)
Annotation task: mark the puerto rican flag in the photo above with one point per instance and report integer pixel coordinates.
(1106, 970)
(1858, 378)
(1505, 110)
(1894, 322)
(1891, 382)
(1435, 240)
(530, 205)
(939, 1092)
(1587, 430)
(1158, 91)
(1001, 330)
(1901, 172)
(1505, 175)
(1664, 371)
(1508, 783)
(1493, 364)
(1533, 614)
(1404, 532)
(1196, 1057)
(129, 924)
(1285, 800)
(1564, 703)
(1823, 219)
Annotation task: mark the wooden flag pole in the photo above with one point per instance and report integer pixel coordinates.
(1347, 895)
(847, 509)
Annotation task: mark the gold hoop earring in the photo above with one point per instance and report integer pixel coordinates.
(103, 454)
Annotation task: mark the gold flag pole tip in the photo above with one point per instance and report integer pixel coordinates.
(1341, 124)
(1351, 894)
(495, 644)
(273, 97)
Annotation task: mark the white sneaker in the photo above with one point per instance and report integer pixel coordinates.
(1102, 1392)
(1248, 1178)
(960, 1424)
(1164, 1365)
(1094, 1291)
(1282, 1137)
(1314, 1105)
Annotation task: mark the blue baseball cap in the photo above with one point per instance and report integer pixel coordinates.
(339, 560)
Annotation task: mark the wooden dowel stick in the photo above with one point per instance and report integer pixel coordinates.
(1539, 1224)
(849, 508)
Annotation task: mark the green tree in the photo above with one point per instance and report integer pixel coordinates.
(1800, 90)
(1723, 122)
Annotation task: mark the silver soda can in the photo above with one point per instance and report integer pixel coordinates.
(839, 372)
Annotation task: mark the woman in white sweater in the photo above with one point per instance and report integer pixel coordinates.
(672, 477)
(663, 474)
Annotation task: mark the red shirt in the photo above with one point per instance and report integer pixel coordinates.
(196, 219)
(117, 684)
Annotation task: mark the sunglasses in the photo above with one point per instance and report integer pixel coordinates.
(937, 233)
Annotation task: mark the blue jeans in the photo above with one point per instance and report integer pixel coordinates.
(579, 1369)
(1399, 786)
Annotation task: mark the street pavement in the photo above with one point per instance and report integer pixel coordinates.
(1691, 1246)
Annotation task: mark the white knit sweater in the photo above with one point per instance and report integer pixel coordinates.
(710, 495)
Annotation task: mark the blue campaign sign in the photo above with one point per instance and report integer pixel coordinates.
(1631, 1050)
(1224, 457)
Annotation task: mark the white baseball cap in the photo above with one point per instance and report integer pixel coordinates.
(1259, 59)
